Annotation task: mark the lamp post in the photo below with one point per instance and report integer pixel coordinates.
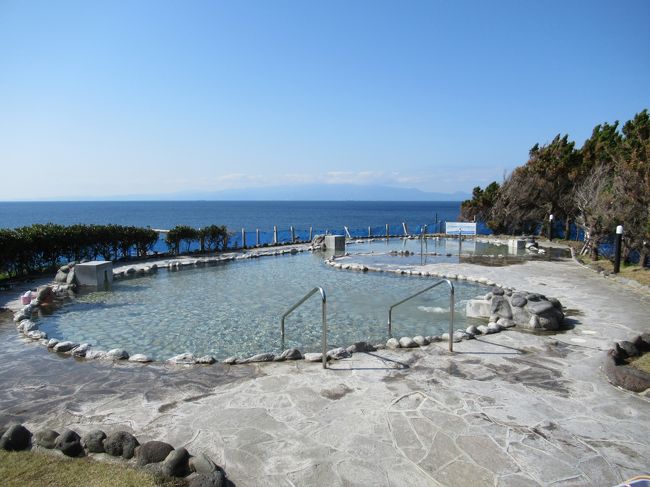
(617, 249)
(550, 227)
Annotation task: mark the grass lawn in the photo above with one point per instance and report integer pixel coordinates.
(633, 272)
(36, 469)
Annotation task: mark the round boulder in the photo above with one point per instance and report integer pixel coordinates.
(81, 350)
(94, 441)
(121, 444)
(392, 343)
(407, 342)
(206, 360)
(505, 323)
(472, 330)
(518, 301)
(494, 328)
(461, 335)
(183, 359)
(176, 463)
(46, 438)
(95, 354)
(27, 325)
(65, 346)
(117, 354)
(421, 341)
(339, 353)
(501, 307)
(69, 443)
(291, 354)
(314, 357)
(535, 297)
(152, 452)
(214, 479)
(628, 348)
(16, 438)
(202, 464)
(260, 357)
(361, 347)
(140, 358)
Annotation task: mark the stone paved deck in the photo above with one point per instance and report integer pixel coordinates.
(507, 409)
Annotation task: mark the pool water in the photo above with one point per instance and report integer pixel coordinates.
(234, 308)
(439, 250)
(434, 245)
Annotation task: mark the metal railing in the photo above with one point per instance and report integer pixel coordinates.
(275, 235)
(324, 318)
(451, 310)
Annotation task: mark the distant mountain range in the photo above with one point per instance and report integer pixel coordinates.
(304, 192)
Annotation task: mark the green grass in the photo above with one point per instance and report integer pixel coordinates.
(36, 469)
(634, 272)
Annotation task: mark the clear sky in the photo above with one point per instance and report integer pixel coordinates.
(135, 97)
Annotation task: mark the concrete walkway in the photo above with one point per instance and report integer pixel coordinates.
(507, 409)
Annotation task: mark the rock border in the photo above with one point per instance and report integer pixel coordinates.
(617, 370)
(55, 295)
(156, 457)
(410, 272)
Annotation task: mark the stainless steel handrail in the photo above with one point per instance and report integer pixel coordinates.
(451, 310)
(324, 318)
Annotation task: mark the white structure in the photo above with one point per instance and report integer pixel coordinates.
(460, 228)
(97, 274)
(515, 245)
(334, 243)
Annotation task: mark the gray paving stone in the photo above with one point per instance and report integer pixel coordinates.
(464, 473)
(485, 452)
(442, 451)
(543, 467)
(536, 401)
(516, 480)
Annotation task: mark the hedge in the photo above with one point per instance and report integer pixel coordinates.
(41, 247)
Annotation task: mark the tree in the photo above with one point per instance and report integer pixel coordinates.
(214, 237)
(555, 169)
(632, 184)
(594, 200)
(480, 206)
(518, 209)
(601, 149)
(181, 233)
(541, 187)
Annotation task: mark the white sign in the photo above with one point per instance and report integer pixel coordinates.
(460, 228)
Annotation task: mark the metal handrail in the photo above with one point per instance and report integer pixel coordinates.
(451, 310)
(324, 318)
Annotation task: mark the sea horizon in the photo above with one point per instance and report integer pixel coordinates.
(249, 214)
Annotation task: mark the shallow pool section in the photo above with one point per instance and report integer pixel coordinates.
(235, 308)
(434, 250)
(432, 245)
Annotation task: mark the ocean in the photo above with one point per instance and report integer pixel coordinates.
(251, 215)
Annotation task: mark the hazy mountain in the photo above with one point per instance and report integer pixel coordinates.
(303, 192)
(322, 192)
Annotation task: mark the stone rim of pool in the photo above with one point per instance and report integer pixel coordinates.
(31, 331)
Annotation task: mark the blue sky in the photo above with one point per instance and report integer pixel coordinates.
(113, 98)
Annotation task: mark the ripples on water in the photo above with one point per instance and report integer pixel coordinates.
(235, 308)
